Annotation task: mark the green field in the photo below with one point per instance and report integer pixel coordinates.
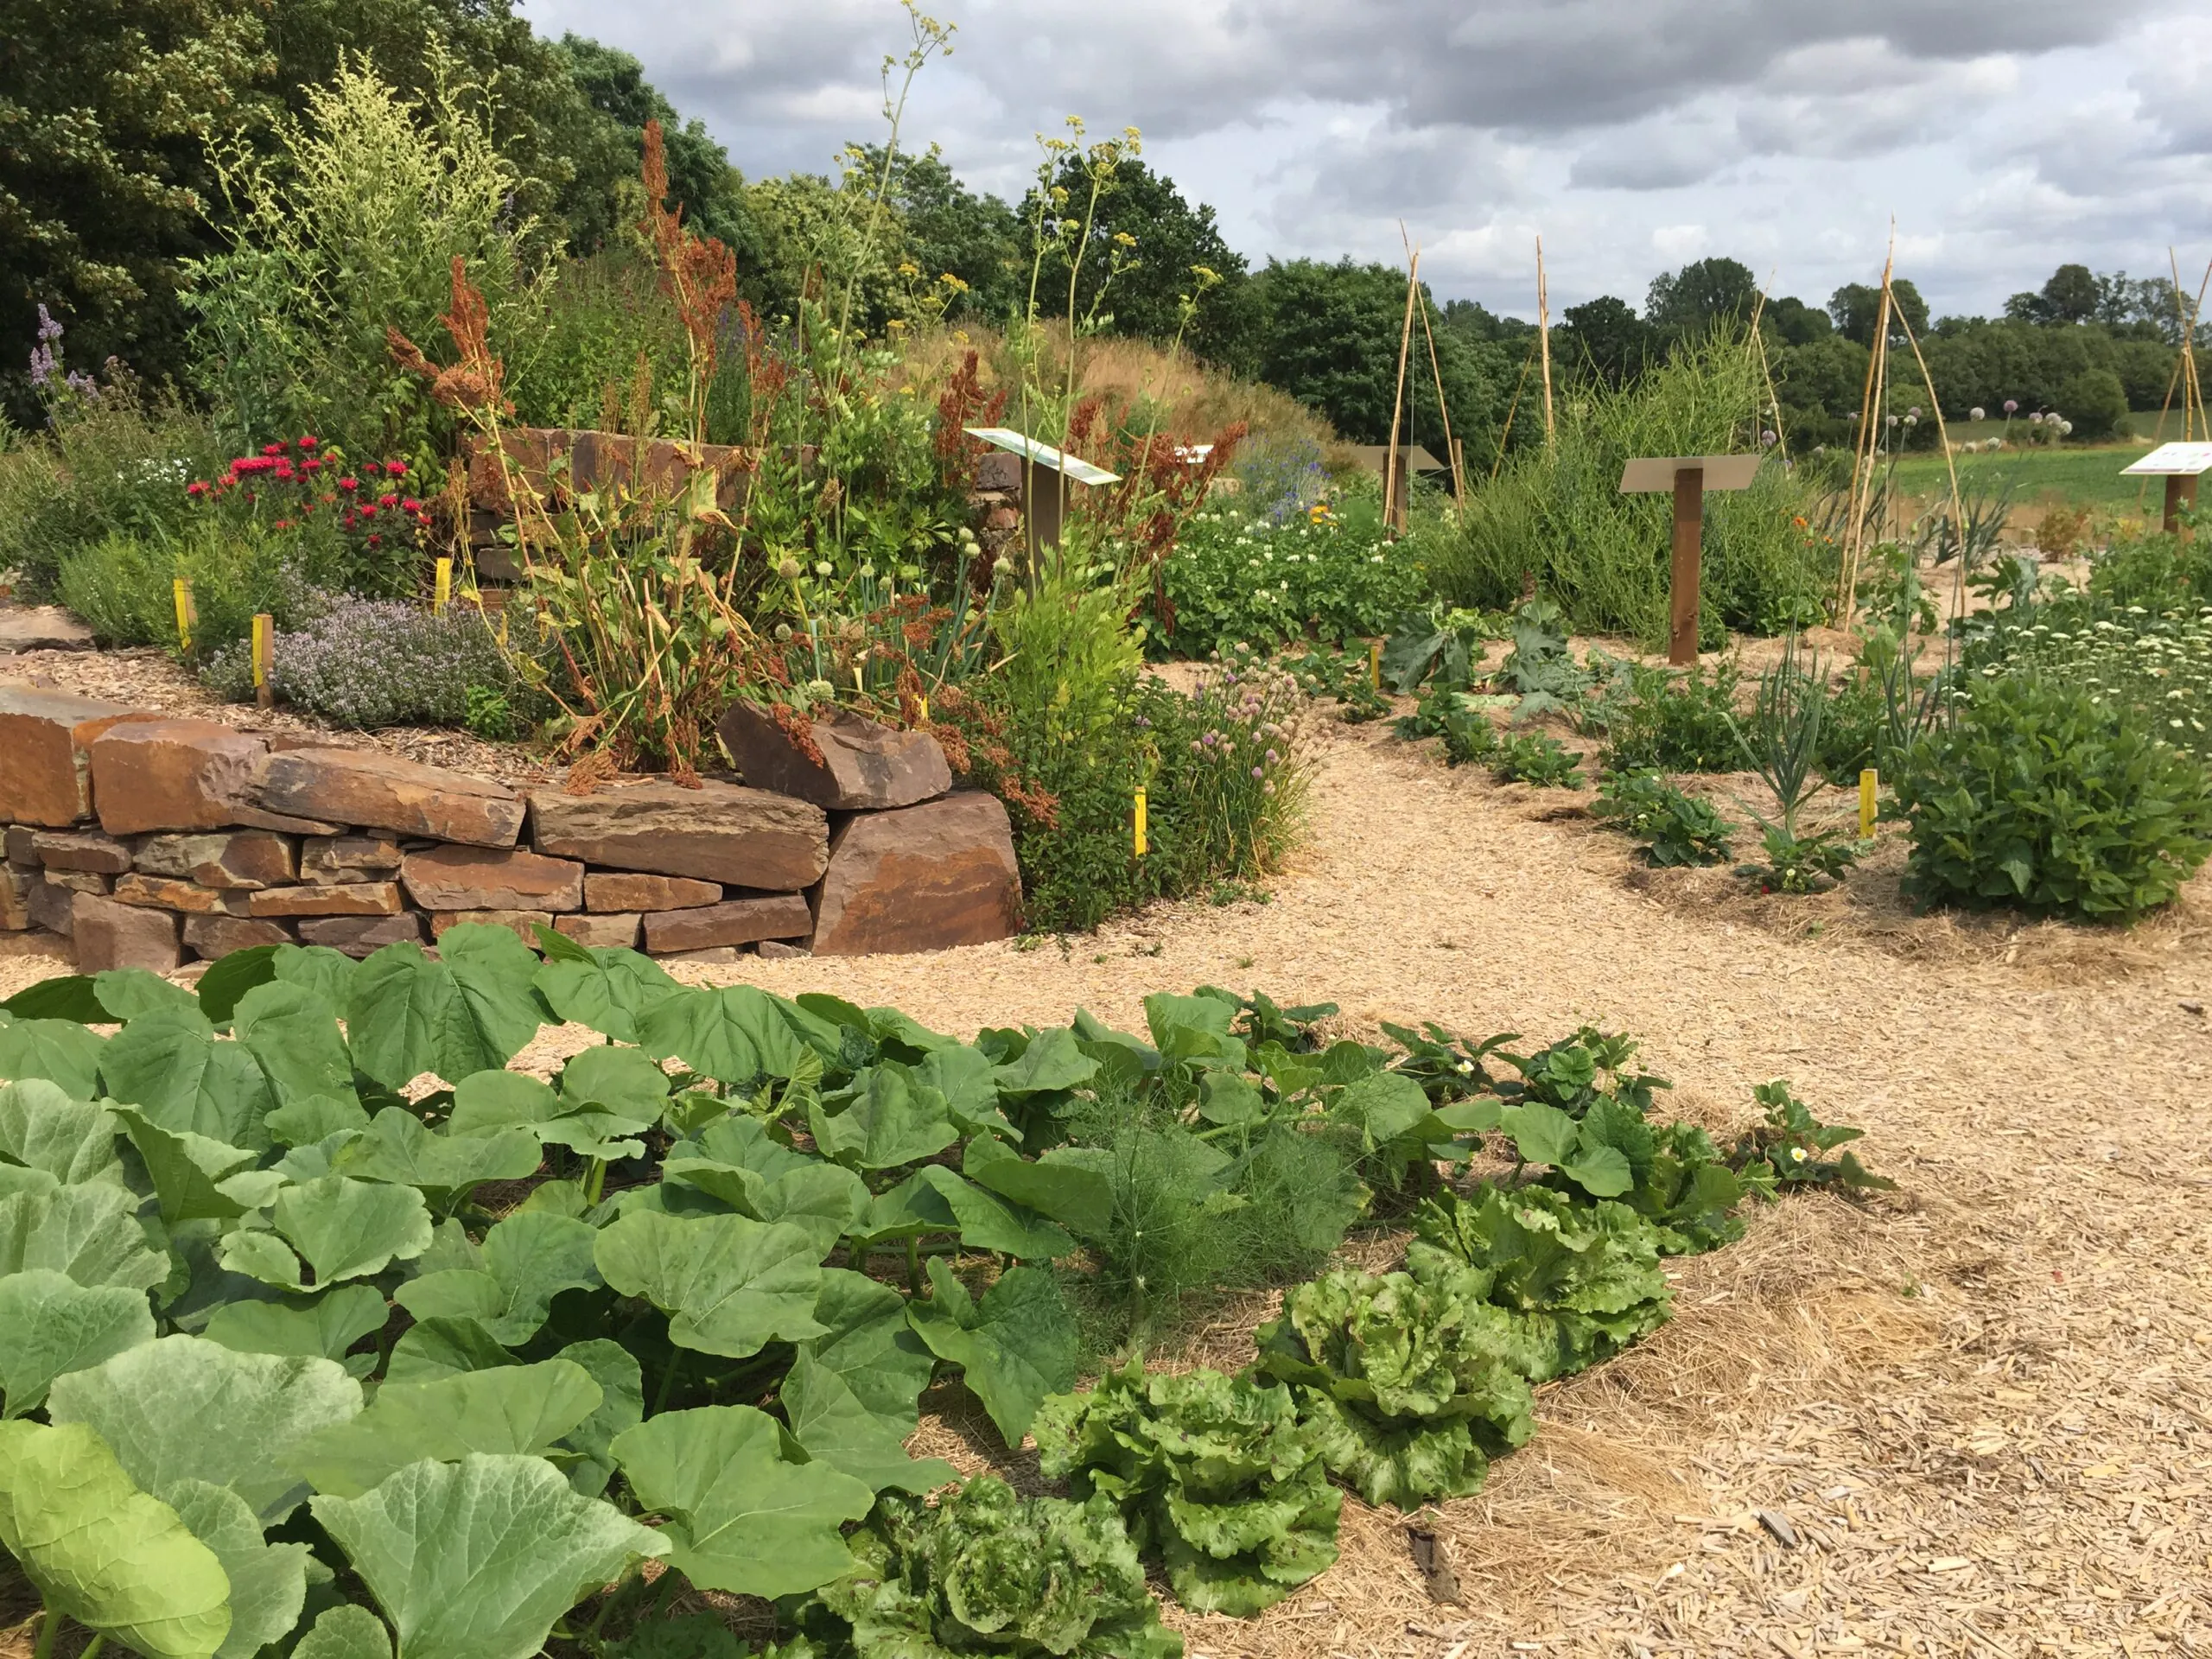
(2045, 478)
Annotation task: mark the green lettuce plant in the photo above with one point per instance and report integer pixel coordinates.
(1217, 1476)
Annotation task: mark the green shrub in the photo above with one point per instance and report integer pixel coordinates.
(2041, 798)
(1243, 577)
(1673, 722)
(1556, 515)
(2157, 571)
(123, 587)
(1676, 829)
(1544, 762)
(114, 467)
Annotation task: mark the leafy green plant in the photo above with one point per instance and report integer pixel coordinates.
(1674, 722)
(1788, 1148)
(1585, 1277)
(1783, 742)
(1800, 864)
(1409, 1386)
(1216, 1475)
(1440, 644)
(1676, 829)
(984, 1571)
(1546, 762)
(1343, 676)
(2041, 799)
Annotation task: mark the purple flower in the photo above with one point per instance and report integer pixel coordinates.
(48, 328)
(1255, 771)
(2011, 405)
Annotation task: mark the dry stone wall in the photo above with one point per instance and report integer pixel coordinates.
(144, 839)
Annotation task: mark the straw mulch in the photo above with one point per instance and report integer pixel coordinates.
(1972, 1418)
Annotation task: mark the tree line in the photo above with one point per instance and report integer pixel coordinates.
(112, 182)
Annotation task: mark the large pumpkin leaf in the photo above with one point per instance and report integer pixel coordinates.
(311, 1122)
(621, 1405)
(888, 1120)
(269, 1582)
(444, 1347)
(476, 1560)
(65, 996)
(988, 1222)
(464, 1013)
(1051, 1063)
(131, 994)
(525, 1262)
(170, 1064)
(493, 1102)
(966, 1079)
(323, 1326)
(50, 1326)
(88, 1232)
(729, 1285)
(186, 1168)
(231, 977)
(1077, 1196)
(317, 968)
(398, 1148)
(348, 1229)
(293, 1032)
(836, 1427)
(519, 1408)
(60, 1051)
(184, 1408)
(43, 1126)
(624, 1082)
(101, 1551)
(605, 988)
(1014, 1347)
(868, 1341)
(344, 1632)
(739, 1516)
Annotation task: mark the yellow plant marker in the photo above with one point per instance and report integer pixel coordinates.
(1141, 844)
(442, 594)
(1868, 780)
(1375, 664)
(182, 590)
(922, 705)
(264, 646)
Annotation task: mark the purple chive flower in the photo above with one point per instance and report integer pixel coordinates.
(2011, 405)
(1255, 771)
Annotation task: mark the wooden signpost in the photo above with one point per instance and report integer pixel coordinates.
(2180, 464)
(1045, 475)
(1689, 477)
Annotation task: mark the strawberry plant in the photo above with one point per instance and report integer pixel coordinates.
(1788, 1147)
(1676, 829)
(1534, 759)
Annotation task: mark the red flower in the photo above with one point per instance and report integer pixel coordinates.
(307, 443)
(310, 465)
(388, 499)
(396, 469)
(283, 471)
(197, 488)
(372, 467)
(373, 540)
(272, 448)
(349, 485)
(245, 465)
(410, 504)
(284, 523)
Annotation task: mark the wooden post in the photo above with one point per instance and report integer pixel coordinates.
(1043, 505)
(2181, 491)
(1689, 527)
(264, 652)
(1394, 487)
(1460, 471)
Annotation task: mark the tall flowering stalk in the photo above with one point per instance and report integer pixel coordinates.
(698, 273)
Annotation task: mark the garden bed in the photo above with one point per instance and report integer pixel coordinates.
(1977, 1409)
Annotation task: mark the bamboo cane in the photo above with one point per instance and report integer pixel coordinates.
(1398, 398)
(1544, 339)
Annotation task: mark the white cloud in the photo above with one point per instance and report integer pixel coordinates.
(2003, 138)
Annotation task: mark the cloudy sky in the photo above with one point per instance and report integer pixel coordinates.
(2005, 135)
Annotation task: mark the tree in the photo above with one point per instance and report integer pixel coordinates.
(106, 114)
(1796, 322)
(1473, 320)
(2095, 402)
(1329, 337)
(1819, 384)
(1707, 291)
(2071, 295)
(1606, 335)
(607, 154)
(1856, 305)
(1168, 237)
(952, 231)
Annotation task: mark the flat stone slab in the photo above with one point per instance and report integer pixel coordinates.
(616, 891)
(736, 921)
(523, 924)
(247, 859)
(217, 936)
(46, 737)
(859, 765)
(362, 936)
(484, 878)
(348, 858)
(718, 832)
(108, 935)
(166, 892)
(172, 774)
(383, 792)
(42, 627)
(80, 850)
(923, 878)
(604, 931)
(361, 899)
